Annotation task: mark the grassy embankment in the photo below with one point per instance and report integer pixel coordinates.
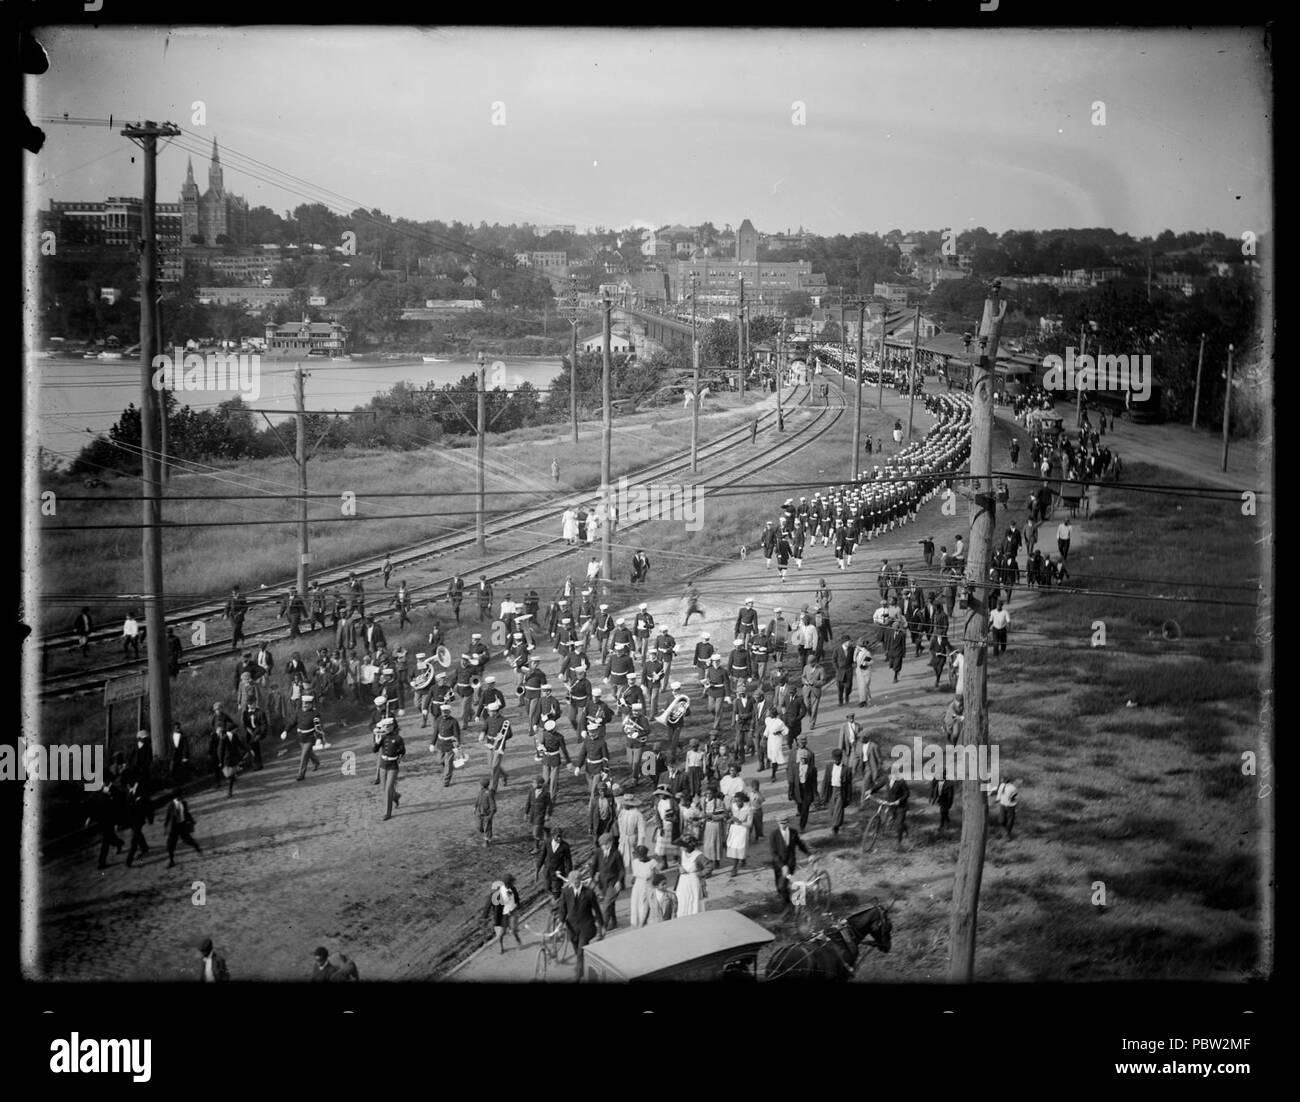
(1129, 762)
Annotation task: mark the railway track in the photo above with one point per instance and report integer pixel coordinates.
(505, 567)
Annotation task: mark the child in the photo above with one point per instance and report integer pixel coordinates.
(756, 806)
(485, 806)
(695, 768)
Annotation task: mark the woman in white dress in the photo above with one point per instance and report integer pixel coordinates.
(570, 522)
(644, 868)
(690, 885)
(632, 831)
(593, 527)
(742, 819)
(776, 733)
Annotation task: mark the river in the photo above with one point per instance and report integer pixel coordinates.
(76, 395)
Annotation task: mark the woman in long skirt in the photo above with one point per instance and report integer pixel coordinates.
(690, 884)
(643, 870)
(716, 817)
(776, 732)
(742, 818)
(692, 818)
(631, 829)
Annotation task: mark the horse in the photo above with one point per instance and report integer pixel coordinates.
(832, 955)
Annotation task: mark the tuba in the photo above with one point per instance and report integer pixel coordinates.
(443, 657)
(424, 676)
(676, 711)
(631, 730)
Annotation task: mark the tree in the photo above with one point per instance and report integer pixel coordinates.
(796, 304)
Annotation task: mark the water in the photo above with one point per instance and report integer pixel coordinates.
(75, 394)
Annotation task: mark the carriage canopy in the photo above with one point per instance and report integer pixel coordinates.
(702, 946)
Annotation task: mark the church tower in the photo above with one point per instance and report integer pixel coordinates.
(215, 184)
(189, 206)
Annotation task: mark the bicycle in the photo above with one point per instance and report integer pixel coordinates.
(553, 945)
(871, 832)
(810, 896)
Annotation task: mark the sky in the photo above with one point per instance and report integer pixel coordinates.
(837, 131)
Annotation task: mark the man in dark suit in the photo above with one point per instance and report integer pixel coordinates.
(843, 660)
(322, 971)
(580, 913)
(785, 846)
(607, 868)
(213, 969)
(555, 861)
(375, 637)
(801, 771)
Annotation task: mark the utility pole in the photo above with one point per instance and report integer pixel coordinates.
(1196, 401)
(880, 372)
(146, 137)
(163, 449)
(571, 312)
(740, 339)
(844, 354)
(911, 399)
(300, 456)
(695, 401)
(857, 405)
(607, 436)
(481, 449)
(975, 729)
(1078, 390)
(1227, 407)
(780, 365)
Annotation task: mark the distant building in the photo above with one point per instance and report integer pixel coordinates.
(542, 231)
(893, 293)
(114, 228)
(254, 298)
(215, 213)
(557, 259)
(307, 336)
(718, 282)
(747, 243)
(618, 343)
(253, 268)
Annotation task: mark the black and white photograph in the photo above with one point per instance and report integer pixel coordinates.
(607, 505)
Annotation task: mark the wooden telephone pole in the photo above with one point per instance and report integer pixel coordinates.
(607, 436)
(571, 313)
(880, 367)
(1196, 401)
(695, 383)
(480, 450)
(861, 303)
(1227, 410)
(975, 729)
(146, 137)
(740, 339)
(911, 396)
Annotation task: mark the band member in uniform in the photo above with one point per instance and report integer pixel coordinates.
(604, 626)
(488, 695)
(666, 649)
(636, 728)
(464, 687)
(593, 754)
(621, 634)
(446, 741)
(644, 625)
(518, 655)
(717, 687)
(778, 630)
(739, 667)
(675, 716)
(654, 676)
(391, 749)
(552, 748)
(746, 623)
(497, 730)
(579, 701)
(760, 653)
(635, 693)
(703, 655)
(548, 708)
(620, 670)
(532, 695)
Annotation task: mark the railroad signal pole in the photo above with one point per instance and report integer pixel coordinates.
(146, 137)
(607, 435)
(975, 729)
(480, 450)
(1196, 401)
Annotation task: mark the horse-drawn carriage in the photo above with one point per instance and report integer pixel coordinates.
(1045, 425)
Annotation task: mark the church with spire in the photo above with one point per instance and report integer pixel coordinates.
(214, 214)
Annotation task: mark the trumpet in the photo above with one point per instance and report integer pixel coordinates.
(519, 690)
(475, 682)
